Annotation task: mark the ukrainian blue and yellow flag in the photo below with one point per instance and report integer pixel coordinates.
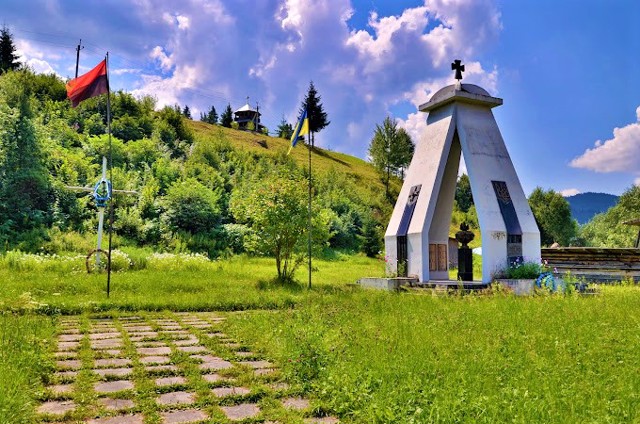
(302, 128)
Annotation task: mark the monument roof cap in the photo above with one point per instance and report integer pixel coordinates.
(468, 93)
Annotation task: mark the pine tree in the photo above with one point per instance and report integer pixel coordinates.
(186, 112)
(210, 117)
(285, 129)
(227, 117)
(26, 195)
(315, 112)
(8, 57)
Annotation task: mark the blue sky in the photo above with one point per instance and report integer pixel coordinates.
(568, 70)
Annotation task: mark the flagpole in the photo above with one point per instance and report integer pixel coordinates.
(110, 178)
(309, 223)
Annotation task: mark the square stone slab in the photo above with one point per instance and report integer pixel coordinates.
(230, 391)
(70, 337)
(112, 362)
(295, 403)
(113, 386)
(155, 359)
(154, 350)
(240, 412)
(187, 342)
(56, 407)
(186, 416)
(176, 398)
(70, 364)
(243, 354)
(120, 419)
(61, 389)
(106, 344)
(67, 346)
(104, 336)
(116, 404)
(212, 378)
(170, 381)
(66, 375)
(192, 349)
(113, 372)
(160, 368)
(149, 344)
(138, 329)
(214, 363)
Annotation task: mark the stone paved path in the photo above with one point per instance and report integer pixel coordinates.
(164, 368)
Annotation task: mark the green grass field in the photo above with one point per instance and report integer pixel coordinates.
(366, 356)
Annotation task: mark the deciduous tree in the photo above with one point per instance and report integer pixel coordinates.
(553, 215)
(276, 209)
(391, 149)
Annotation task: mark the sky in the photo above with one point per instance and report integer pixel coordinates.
(568, 70)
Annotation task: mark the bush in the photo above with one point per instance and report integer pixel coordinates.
(192, 207)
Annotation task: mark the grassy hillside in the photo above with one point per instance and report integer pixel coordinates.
(322, 161)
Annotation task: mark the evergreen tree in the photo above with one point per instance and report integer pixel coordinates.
(26, 195)
(315, 112)
(464, 198)
(391, 149)
(227, 117)
(8, 57)
(210, 117)
(186, 112)
(285, 129)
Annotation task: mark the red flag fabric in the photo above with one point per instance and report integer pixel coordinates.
(91, 84)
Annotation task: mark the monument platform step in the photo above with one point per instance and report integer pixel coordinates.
(452, 285)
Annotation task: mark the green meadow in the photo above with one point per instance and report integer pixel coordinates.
(364, 356)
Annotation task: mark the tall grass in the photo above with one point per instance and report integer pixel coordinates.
(23, 360)
(380, 358)
(177, 282)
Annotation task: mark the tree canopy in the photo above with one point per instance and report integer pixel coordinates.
(608, 229)
(390, 150)
(553, 215)
(464, 197)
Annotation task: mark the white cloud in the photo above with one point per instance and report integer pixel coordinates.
(569, 192)
(637, 181)
(158, 53)
(40, 66)
(183, 22)
(618, 154)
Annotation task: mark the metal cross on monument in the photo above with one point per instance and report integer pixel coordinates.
(458, 67)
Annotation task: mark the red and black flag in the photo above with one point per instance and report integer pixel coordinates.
(91, 84)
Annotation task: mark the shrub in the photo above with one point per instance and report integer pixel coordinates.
(192, 207)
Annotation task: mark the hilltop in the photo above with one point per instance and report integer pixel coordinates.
(584, 206)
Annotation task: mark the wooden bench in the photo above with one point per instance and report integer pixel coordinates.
(605, 265)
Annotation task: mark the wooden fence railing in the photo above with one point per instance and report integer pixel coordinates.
(595, 264)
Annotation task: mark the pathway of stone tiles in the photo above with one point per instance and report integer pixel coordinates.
(164, 368)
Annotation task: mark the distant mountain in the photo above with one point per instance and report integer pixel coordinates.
(585, 205)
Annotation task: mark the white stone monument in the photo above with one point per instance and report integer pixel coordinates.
(460, 121)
